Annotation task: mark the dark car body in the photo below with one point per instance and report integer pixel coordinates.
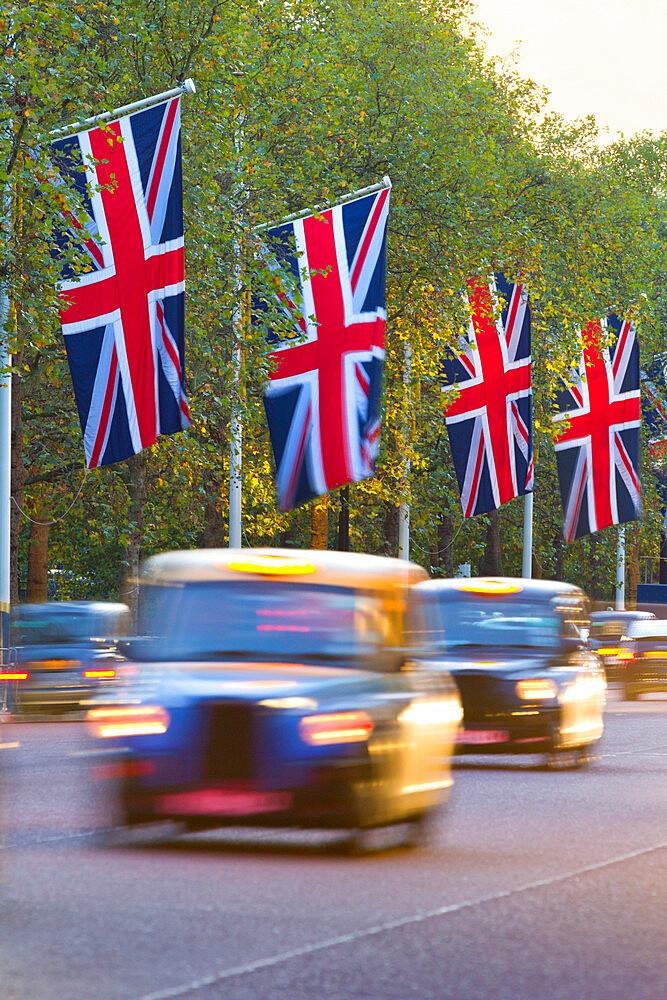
(606, 631)
(643, 658)
(279, 690)
(65, 652)
(517, 651)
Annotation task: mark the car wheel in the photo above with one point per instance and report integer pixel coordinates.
(567, 760)
(422, 830)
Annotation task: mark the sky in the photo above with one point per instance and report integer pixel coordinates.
(607, 58)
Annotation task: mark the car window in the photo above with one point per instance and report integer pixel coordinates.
(648, 630)
(457, 620)
(222, 619)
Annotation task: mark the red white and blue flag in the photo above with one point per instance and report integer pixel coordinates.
(123, 320)
(323, 400)
(489, 425)
(654, 408)
(598, 453)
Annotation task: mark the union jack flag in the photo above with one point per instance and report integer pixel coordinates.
(324, 397)
(654, 407)
(489, 425)
(123, 319)
(598, 454)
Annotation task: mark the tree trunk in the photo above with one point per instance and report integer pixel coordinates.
(663, 558)
(492, 562)
(18, 486)
(38, 559)
(319, 538)
(559, 546)
(443, 549)
(343, 540)
(134, 477)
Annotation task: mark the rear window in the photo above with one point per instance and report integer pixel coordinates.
(648, 630)
(459, 621)
(231, 619)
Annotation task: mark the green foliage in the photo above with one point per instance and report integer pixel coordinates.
(298, 103)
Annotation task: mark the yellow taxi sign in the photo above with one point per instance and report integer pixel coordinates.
(266, 565)
(489, 587)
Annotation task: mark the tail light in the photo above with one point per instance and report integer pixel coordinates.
(337, 727)
(625, 654)
(99, 674)
(131, 720)
(14, 675)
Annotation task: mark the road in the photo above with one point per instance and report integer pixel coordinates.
(537, 884)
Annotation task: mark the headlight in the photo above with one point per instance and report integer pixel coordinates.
(338, 727)
(434, 712)
(536, 689)
(583, 689)
(141, 720)
(294, 702)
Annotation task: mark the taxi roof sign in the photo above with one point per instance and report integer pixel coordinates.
(489, 587)
(270, 565)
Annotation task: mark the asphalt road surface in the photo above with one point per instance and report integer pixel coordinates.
(537, 884)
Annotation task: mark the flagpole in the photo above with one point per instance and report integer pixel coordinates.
(351, 196)
(527, 566)
(404, 508)
(235, 421)
(187, 87)
(5, 449)
(620, 569)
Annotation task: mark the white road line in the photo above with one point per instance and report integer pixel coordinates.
(390, 925)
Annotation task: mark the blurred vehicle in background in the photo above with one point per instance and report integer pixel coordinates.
(275, 688)
(65, 652)
(607, 630)
(642, 658)
(517, 651)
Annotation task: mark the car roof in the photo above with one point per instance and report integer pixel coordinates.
(70, 607)
(622, 615)
(537, 589)
(313, 566)
(648, 629)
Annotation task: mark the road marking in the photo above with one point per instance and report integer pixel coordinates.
(390, 925)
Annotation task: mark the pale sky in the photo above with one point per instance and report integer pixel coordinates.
(602, 57)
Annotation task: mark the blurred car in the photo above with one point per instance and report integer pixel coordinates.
(517, 651)
(65, 652)
(278, 690)
(606, 631)
(642, 657)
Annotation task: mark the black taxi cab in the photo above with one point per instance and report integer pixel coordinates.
(278, 687)
(517, 650)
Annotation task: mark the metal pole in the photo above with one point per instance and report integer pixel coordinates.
(384, 183)
(527, 566)
(5, 448)
(235, 423)
(620, 569)
(187, 87)
(404, 508)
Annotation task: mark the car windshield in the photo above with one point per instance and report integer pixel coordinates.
(256, 619)
(458, 621)
(49, 626)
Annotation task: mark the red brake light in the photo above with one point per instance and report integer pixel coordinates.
(99, 674)
(14, 675)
